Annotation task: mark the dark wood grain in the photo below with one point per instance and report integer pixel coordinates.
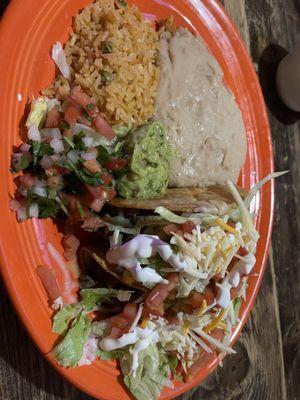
(267, 363)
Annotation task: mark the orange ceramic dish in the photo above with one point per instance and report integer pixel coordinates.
(28, 30)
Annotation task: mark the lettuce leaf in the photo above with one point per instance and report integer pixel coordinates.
(151, 376)
(110, 355)
(63, 318)
(91, 298)
(69, 351)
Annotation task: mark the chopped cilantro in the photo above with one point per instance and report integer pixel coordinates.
(103, 154)
(123, 3)
(36, 147)
(78, 143)
(84, 176)
(108, 47)
(64, 126)
(48, 208)
(107, 77)
(45, 148)
(69, 142)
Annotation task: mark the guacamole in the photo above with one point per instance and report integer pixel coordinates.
(149, 156)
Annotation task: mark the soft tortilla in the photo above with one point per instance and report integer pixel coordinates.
(192, 199)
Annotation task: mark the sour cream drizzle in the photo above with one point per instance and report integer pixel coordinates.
(141, 338)
(145, 246)
(233, 279)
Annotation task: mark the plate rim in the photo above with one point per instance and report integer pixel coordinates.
(214, 5)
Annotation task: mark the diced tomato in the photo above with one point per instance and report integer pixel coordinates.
(122, 322)
(84, 101)
(196, 299)
(96, 191)
(242, 252)
(72, 114)
(53, 118)
(49, 282)
(168, 229)
(188, 227)
(104, 128)
(96, 204)
(92, 224)
(106, 178)
(27, 180)
(111, 193)
(115, 164)
(70, 244)
(157, 296)
(235, 292)
(92, 166)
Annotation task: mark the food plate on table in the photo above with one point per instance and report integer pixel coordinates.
(127, 192)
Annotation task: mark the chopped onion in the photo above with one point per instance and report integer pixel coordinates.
(39, 191)
(51, 133)
(169, 215)
(57, 145)
(34, 210)
(52, 103)
(90, 132)
(83, 128)
(55, 157)
(14, 205)
(89, 156)
(21, 214)
(88, 141)
(60, 59)
(25, 148)
(34, 133)
(17, 156)
(73, 156)
(46, 162)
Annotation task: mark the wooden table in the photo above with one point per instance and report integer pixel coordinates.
(267, 363)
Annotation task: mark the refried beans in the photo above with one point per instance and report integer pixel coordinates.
(204, 123)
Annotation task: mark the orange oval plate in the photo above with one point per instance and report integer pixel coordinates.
(27, 32)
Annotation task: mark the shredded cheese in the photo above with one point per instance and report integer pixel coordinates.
(222, 325)
(215, 322)
(186, 328)
(202, 308)
(227, 227)
(144, 323)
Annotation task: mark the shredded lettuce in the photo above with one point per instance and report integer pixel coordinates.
(63, 318)
(37, 113)
(91, 298)
(259, 185)
(70, 350)
(128, 231)
(60, 59)
(152, 374)
(237, 306)
(170, 216)
(122, 131)
(247, 220)
(111, 355)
